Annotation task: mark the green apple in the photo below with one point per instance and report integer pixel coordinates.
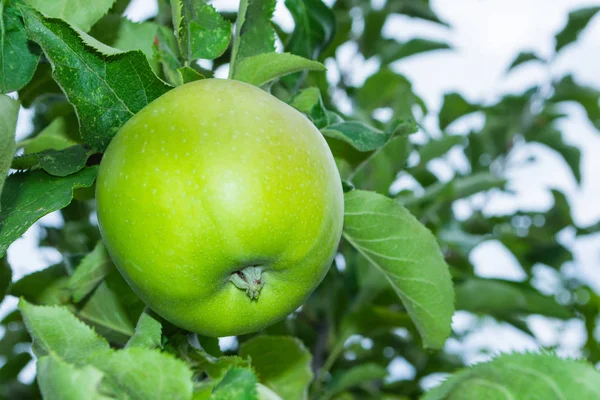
(221, 206)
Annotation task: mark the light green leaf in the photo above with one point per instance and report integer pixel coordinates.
(454, 107)
(576, 23)
(238, 384)
(438, 147)
(397, 244)
(264, 68)
(148, 331)
(30, 195)
(355, 376)
(17, 63)
(203, 32)
(523, 57)
(282, 363)
(80, 13)
(54, 137)
(120, 33)
(394, 51)
(588, 97)
(116, 86)
(92, 270)
(361, 136)
(254, 33)
(9, 110)
(310, 102)
(522, 376)
(189, 74)
(60, 380)
(55, 330)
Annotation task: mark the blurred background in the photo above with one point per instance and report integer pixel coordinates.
(483, 39)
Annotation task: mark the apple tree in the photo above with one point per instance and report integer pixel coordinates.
(243, 237)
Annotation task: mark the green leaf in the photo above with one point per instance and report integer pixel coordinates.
(166, 51)
(387, 89)
(30, 195)
(237, 384)
(13, 366)
(438, 147)
(116, 86)
(416, 9)
(361, 136)
(588, 97)
(40, 86)
(282, 363)
(523, 57)
(53, 137)
(577, 22)
(148, 331)
(264, 68)
(314, 27)
(56, 331)
(394, 51)
(92, 270)
(310, 102)
(5, 277)
(254, 33)
(31, 287)
(80, 13)
(56, 162)
(188, 74)
(522, 376)
(120, 33)
(499, 297)
(106, 314)
(9, 110)
(60, 380)
(354, 377)
(407, 253)
(454, 107)
(553, 138)
(17, 63)
(202, 31)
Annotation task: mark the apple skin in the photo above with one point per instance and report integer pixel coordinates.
(213, 177)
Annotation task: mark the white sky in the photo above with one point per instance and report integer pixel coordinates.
(487, 35)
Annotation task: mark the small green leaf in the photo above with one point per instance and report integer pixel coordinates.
(314, 27)
(388, 89)
(238, 384)
(355, 376)
(148, 331)
(9, 110)
(523, 57)
(361, 136)
(189, 74)
(438, 147)
(310, 102)
(30, 195)
(397, 244)
(577, 22)
(166, 51)
(32, 287)
(522, 376)
(120, 33)
(394, 51)
(588, 97)
(263, 68)
(92, 270)
(5, 277)
(56, 162)
(203, 32)
(80, 13)
(61, 380)
(254, 33)
(56, 331)
(17, 63)
(288, 374)
(454, 107)
(117, 86)
(53, 137)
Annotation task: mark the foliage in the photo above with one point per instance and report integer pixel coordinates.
(403, 264)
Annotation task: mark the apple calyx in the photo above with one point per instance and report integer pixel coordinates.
(248, 279)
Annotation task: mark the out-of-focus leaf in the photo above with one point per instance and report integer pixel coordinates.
(454, 107)
(394, 51)
(166, 51)
(576, 23)
(438, 147)
(31, 287)
(355, 376)
(416, 9)
(523, 57)
(148, 331)
(13, 366)
(288, 374)
(30, 195)
(120, 33)
(5, 277)
(116, 86)
(254, 33)
(498, 297)
(40, 86)
(264, 68)
(407, 253)
(9, 110)
(553, 138)
(17, 63)
(53, 137)
(309, 102)
(313, 30)
(56, 162)
(238, 383)
(523, 376)
(202, 31)
(387, 89)
(80, 13)
(61, 380)
(589, 98)
(92, 270)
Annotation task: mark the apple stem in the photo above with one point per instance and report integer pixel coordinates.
(248, 279)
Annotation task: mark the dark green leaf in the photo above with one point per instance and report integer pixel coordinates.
(554, 139)
(355, 376)
(361, 136)
(116, 86)
(314, 27)
(394, 51)
(264, 68)
(576, 23)
(31, 287)
(407, 253)
(189, 74)
(40, 86)
(56, 162)
(5, 277)
(92, 270)
(9, 110)
(30, 195)
(166, 51)
(454, 107)
(416, 9)
(523, 57)
(522, 376)
(309, 102)
(17, 63)
(237, 384)
(589, 98)
(13, 366)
